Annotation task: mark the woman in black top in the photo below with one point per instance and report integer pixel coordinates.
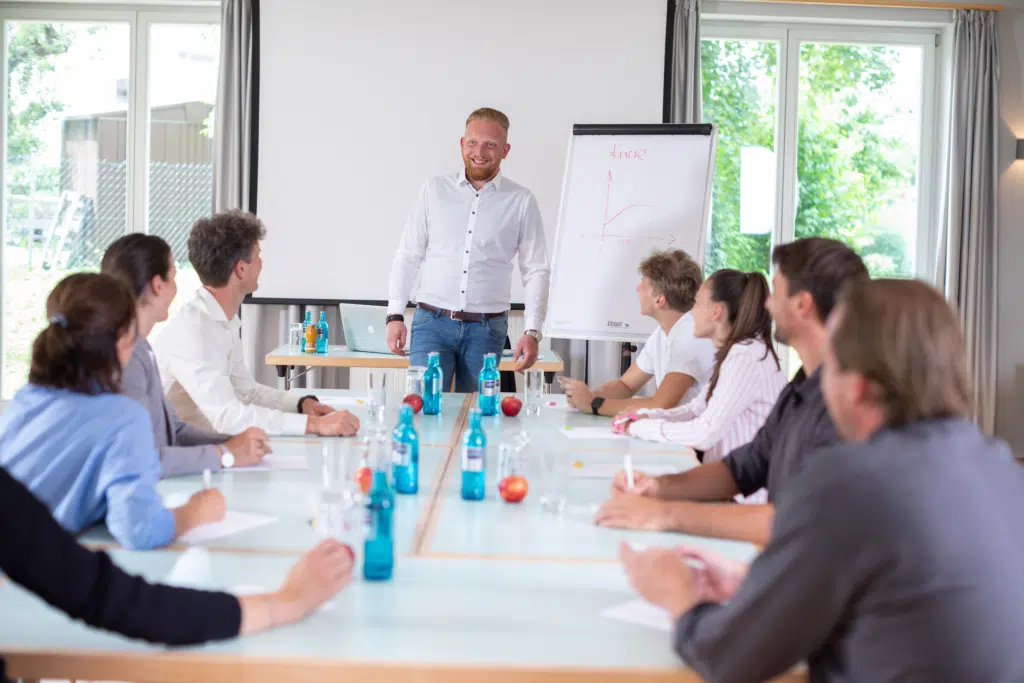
(37, 553)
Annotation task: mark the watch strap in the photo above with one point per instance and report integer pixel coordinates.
(303, 400)
(395, 317)
(596, 404)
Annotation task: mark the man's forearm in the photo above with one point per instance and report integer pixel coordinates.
(732, 521)
(613, 406)
(613, 390)
(708, 483)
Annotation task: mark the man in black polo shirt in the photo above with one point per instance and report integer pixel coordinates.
(809, 273)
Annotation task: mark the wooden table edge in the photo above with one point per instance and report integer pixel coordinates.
(386, 362)
(200, 667)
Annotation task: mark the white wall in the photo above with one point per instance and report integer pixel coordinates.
(1010, 387)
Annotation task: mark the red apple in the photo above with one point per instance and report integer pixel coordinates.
(513, 489)
(510, 405)
(364, 477)
(416, 401)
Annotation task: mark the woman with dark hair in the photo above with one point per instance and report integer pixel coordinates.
(746, 380)
(80, 446)
(146, 264)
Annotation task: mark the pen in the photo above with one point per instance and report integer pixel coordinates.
(629, 470)
(206, 479)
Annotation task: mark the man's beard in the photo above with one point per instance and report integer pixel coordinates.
(478, 173)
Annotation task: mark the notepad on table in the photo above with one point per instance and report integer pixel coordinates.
(233, 523)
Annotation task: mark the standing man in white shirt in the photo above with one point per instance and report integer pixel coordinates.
(199, 351)
(679, 363)
(461, 238)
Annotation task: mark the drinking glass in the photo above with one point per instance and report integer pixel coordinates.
(414, 380)
(295, 337)
(554, 481)
(534, 391)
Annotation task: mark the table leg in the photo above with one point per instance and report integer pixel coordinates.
(549, 379)
(282, 372)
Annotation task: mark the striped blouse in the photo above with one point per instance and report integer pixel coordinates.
(749, 382)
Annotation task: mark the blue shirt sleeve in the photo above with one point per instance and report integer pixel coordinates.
(136, 515)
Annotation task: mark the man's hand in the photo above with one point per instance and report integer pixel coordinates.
(311, 406)
(249, 447)
(720, 577)
(396, 336)
(662, 577)
(643, 485)
(577, 393)
(525, 353)
(337, 423)
(633, 512)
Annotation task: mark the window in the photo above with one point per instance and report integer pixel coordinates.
(822, 132)
(109, 124)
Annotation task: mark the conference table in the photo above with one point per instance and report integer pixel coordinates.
(285, 358)
(481, 590)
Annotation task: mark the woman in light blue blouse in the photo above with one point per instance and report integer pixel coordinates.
(82, 448)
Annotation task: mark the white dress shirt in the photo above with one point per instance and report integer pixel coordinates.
(199, 354)
(749, 383)
(678, 351)
(462, 241)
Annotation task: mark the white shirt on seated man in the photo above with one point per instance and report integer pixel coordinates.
(199, 351)
(679, 363)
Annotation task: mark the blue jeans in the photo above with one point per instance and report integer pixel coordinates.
(462, 345)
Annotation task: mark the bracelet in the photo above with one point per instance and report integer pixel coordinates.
(303, 400)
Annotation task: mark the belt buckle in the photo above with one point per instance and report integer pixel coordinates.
(452, 314)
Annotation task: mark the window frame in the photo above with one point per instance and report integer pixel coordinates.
(139, 18)
(789, 35)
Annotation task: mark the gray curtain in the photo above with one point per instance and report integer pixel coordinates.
(231, 154)
(968, 248)
(685, 95)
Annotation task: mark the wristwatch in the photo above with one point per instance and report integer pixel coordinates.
(227, 458)
(303, 400)
(596, 404)
(395, 317)
(535, 334)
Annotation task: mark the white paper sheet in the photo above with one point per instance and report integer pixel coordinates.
(641, 613)
(343, 401)
(233, 523)
(274, 462)
(607, 470)
(592, 433)
(192, 570)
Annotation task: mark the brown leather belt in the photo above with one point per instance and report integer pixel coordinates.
(460, 316)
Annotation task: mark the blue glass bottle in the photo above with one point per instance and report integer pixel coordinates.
(321, 333)
(474, 459)
(489, 385)
(305, 326)
(379, 546)
(433, 384)
(405, 453)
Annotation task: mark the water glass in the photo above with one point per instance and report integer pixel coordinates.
(296, 335)
(534, 392)
(414, 380)
(554, 481)
(378, 395)
(340, 501)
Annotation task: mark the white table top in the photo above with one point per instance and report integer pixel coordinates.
(479, 589)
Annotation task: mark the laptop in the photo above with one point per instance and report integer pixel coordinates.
(365, 328)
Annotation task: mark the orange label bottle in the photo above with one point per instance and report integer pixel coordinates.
(311, 338)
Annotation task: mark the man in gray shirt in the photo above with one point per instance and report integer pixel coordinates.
(893, 557)
(808, 277)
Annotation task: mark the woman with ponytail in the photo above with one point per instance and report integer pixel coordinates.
(746, 380)
(81, 447)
